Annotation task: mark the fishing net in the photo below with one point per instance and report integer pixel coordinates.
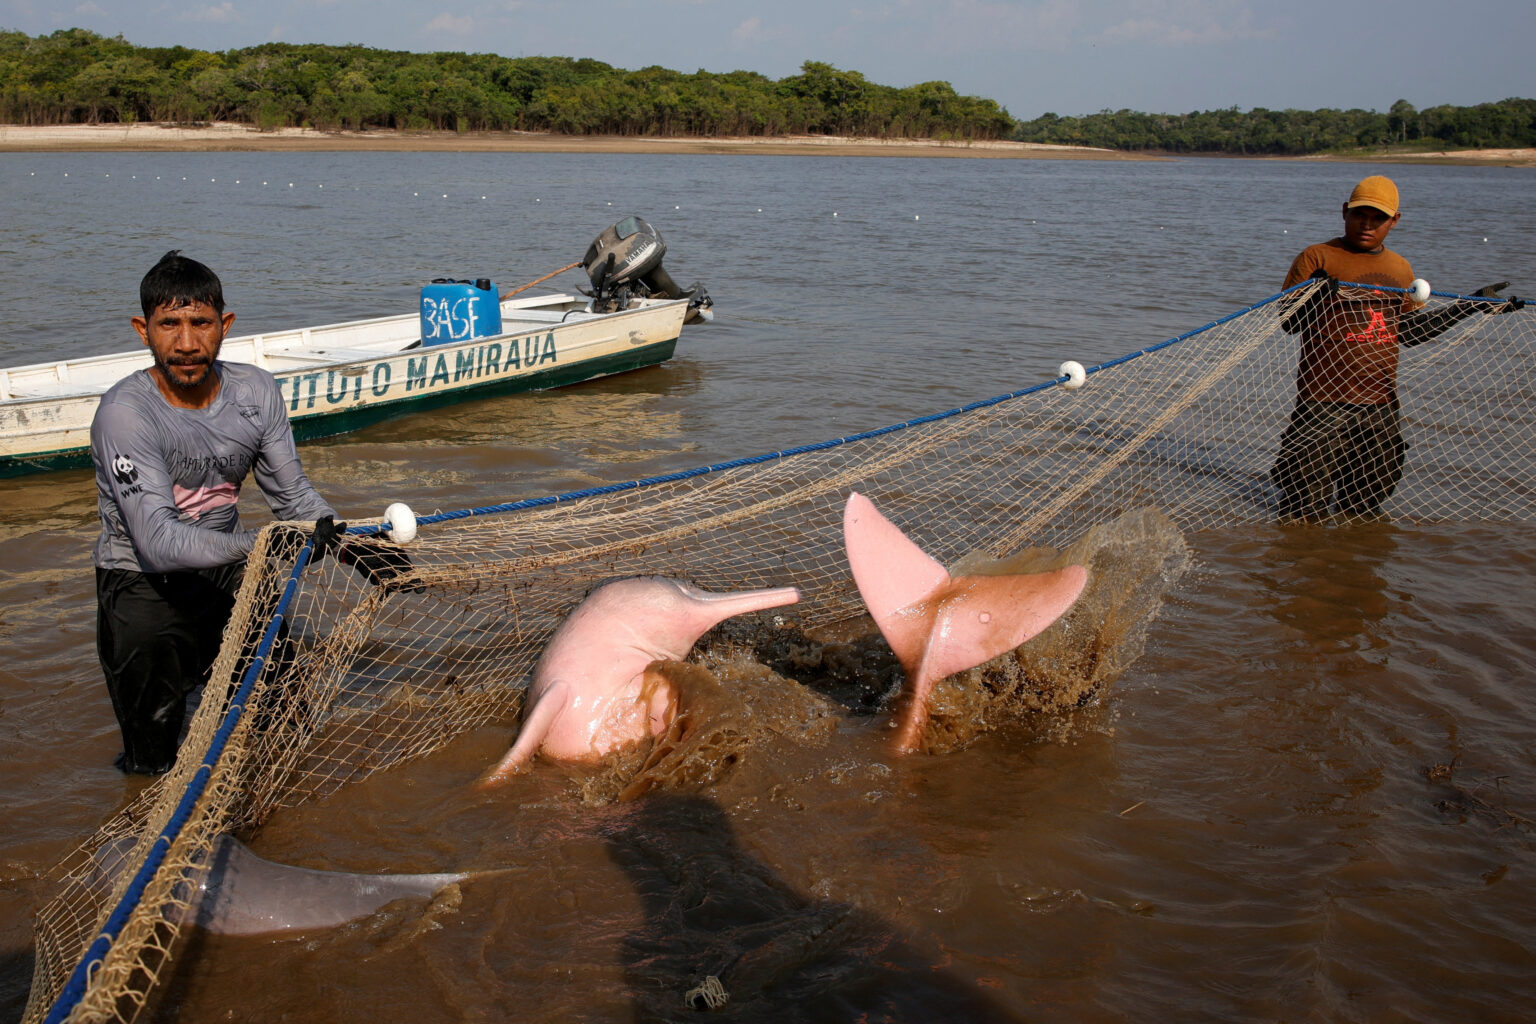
(358, 677)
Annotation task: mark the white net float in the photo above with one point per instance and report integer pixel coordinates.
(402, 522)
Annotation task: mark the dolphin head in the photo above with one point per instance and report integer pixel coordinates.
(662, 617)
(588, 695)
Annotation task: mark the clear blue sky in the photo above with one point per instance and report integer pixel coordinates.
(1032, 56)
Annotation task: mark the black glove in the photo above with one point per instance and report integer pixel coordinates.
(1427, 325)
(327, 537)
(1491, 291)
(381, 564)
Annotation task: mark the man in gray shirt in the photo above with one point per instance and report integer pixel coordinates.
(172, 445)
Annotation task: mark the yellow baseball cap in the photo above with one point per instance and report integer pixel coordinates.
(1376, 191)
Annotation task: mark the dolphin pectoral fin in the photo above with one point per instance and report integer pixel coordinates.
(894, 577)
(243, 894)
(536, 724)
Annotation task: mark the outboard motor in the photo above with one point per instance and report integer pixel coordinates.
(624, 264)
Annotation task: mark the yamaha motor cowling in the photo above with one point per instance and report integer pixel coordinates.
(624, 263)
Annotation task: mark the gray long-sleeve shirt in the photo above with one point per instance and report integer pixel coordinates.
(168, 480)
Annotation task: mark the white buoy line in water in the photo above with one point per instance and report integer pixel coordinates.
(836, 214)
(1418, 290)
(417, 194)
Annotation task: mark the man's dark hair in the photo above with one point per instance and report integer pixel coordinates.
(178, 281)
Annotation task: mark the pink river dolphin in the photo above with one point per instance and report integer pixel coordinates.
(936, 624)
(590, 694)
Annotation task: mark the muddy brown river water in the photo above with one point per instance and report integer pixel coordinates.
(1309, 797)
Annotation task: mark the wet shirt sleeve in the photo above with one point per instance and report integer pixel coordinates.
(279, 473)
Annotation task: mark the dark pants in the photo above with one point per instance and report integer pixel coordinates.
(1337, 454)
(157, 635)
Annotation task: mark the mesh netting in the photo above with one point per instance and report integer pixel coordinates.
(358, 678)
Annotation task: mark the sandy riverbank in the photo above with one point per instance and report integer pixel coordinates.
(227, 136)
(1465, 157)
(236, 137)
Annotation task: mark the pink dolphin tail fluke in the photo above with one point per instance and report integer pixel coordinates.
(938, 625)
(590, 694)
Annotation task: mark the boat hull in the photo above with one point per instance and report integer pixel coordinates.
(329, 424)
(326, 395)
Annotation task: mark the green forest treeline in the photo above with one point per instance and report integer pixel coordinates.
(76, 76)
(1508, 124)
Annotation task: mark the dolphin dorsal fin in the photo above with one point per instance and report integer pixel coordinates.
(893, 575)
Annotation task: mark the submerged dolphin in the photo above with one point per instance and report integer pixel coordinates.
(243, 894)
(938, 625)
(590, 693)
(239, 893)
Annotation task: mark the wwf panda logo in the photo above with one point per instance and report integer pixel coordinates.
(123, 469)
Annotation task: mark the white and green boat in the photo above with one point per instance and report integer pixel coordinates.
(465, 341)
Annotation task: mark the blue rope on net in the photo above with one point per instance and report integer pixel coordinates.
(685, 474)
(75, 988)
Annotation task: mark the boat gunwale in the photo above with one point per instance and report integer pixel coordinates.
(139, 358)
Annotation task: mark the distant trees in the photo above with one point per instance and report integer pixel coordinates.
(1509, 123)
(77, 76)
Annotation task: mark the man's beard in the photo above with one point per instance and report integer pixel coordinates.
(179, 382)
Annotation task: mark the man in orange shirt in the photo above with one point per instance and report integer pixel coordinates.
(1344, 448)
